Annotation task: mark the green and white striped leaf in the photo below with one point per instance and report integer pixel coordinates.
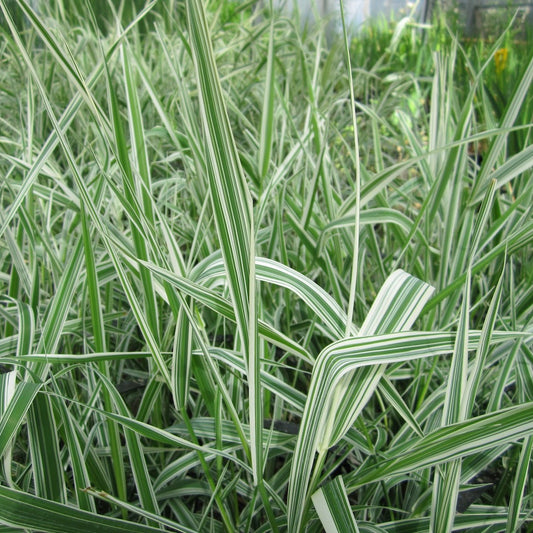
(136, 454)
(333, 508)
(232, 208)
(452, 442)
(513, 167)
(23, 510)
(519, 485)
(267, 116)
(340, 386)
(46, 463)
(329, 312)
(7, 390)
(150, 517)
(221, 305)
(16, 402)
(498, 143)
(446, 483)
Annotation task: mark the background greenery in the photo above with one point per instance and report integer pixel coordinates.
(255, 279)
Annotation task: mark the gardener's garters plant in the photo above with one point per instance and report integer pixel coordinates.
(254, 282)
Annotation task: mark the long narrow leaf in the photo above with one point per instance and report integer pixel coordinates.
(19, 509)
(340, 387)
(453, 442)
(20, 399)
(232, 207)
(333, 508)
(446, 484)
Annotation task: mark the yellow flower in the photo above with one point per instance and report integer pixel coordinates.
(500, 60)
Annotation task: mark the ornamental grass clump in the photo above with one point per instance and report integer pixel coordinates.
(257, 281)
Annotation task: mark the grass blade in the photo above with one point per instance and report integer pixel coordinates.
(19, 509)
(14, 412)
(517, 497)
(232, 207)
(453, 442)
(267, 117)
(333, 508)
(336, 388)
(498, 143)
(446, 483)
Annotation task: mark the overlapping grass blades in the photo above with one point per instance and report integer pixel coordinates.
(22, 509)
(232, 208)
(339, 387)
(333, 507)
(210, 268)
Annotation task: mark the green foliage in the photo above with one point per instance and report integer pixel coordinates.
(252, 280)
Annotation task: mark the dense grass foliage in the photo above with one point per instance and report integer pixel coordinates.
(256, 278)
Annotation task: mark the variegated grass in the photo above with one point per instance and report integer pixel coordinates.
(243, 290)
